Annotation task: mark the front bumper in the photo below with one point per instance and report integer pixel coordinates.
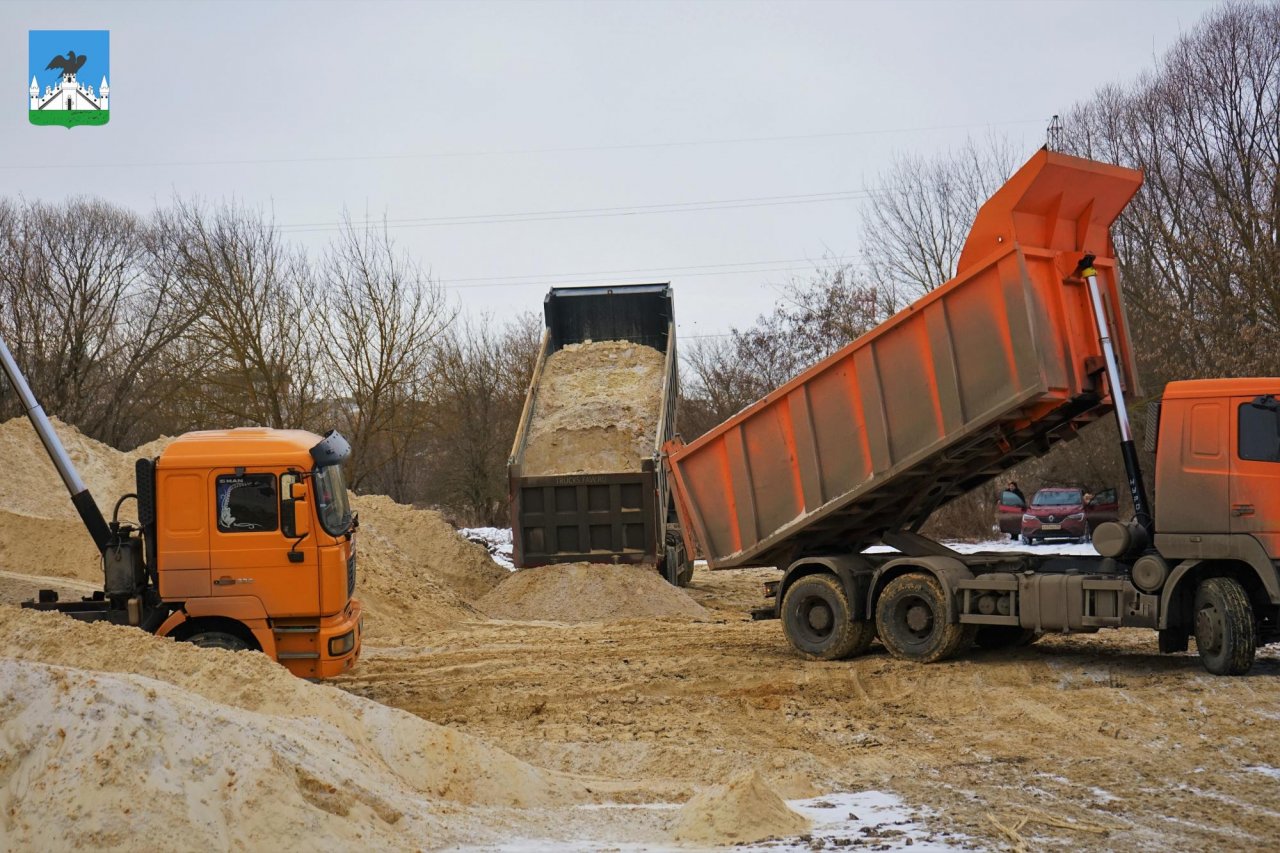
(1066, 528)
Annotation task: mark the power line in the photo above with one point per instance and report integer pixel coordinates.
(426, 155)
(587, 212)
(657, 272)
(660, 271)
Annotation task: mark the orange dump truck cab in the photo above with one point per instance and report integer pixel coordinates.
(252, 543)
(1218, 471)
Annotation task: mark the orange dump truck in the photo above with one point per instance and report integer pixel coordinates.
(244, 540)
(1025, 345)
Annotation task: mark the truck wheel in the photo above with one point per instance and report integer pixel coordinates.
(1225, 635)
(1004, 636)
(218, 640)
(818, 621)
(911, 619)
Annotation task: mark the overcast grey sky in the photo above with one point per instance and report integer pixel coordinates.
(459, 114)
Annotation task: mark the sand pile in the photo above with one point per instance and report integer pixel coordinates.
(596, 410)
(40, 532)
(743, 811)
(588, 592)
(426, 539)
(415, 574)
(110, 735)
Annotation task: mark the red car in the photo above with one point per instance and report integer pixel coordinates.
(1067, 513)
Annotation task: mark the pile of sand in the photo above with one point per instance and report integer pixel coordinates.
(427, 540)
(596, 409)
(743, 811)
(111, 735)
(414, 573)
(40, 532)
(588, 592)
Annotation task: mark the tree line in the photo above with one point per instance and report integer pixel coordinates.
(131, 326)
(198, 316)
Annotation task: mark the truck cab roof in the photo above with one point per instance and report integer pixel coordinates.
(243, 446)
(1249, 386)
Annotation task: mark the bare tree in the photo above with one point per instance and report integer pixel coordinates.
(261, 325)
(87, 310)
(919, 217)
(385, 316)
(813, 319)
(479, 379)
(1200, 245)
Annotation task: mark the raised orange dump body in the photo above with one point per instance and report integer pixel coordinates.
(990, 368)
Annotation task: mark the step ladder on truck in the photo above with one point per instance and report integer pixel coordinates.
(1024, 346)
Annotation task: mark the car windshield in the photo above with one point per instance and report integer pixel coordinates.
(331, 500)
(1057, 497)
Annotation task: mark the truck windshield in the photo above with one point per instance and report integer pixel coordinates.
(331, 500)
(1058, 497)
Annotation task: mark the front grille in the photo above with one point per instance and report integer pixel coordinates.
(351, 574)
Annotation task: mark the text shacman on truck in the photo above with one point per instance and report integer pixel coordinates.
(1024, 346)
(244, 540)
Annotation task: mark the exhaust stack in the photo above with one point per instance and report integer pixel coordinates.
(90, 514)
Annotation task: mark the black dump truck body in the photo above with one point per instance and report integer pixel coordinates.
(599, 517)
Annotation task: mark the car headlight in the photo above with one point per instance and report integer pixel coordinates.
(1076, 516)
(339, 646)
(1028, 517)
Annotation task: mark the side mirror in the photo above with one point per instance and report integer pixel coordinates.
(297, 492)
(295, 521)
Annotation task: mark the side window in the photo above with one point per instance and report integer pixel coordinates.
(247, 503)
(1010, 499)
(1259, 433)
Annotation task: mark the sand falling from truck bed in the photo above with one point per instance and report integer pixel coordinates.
(596, 409)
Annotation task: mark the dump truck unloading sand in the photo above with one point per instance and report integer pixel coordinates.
(1027, 343)
(244, 541)
(586, 481)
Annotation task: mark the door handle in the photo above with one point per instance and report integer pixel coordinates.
(227, 581)
(1241, 509)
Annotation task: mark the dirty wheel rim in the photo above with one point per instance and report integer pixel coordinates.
(1209, 629)
(817, 618)
(915, 615)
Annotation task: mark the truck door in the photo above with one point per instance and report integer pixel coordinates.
(1255, 469)
(249, 554)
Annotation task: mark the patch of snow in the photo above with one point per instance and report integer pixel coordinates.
(849, 819)
(1265, 770)
(496, 540)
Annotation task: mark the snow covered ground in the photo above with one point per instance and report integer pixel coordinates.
(877, 820)
(497, 540)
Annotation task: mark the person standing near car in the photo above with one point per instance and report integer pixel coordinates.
(1013, 487)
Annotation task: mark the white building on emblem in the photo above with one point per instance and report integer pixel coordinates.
(69, 95)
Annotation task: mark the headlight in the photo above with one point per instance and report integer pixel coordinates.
(339, 646)
(1076, 516)
(1028, 517)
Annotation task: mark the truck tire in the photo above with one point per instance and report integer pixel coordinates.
(818, 621)
(911, 619)
(217, 640)
(677, 568)
(1004, 636)
(1226, 637)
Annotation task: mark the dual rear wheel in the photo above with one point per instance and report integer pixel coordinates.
(911, 620)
